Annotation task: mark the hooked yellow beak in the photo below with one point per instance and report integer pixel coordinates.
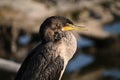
(73, 27)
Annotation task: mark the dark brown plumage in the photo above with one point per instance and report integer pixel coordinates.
(47, 61)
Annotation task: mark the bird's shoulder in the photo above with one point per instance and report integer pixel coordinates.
(43, 62)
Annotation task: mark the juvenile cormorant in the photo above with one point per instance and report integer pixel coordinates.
(48, 60)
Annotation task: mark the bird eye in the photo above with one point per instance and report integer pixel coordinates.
(57, 25)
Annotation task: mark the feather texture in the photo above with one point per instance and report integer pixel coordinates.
(42, 64)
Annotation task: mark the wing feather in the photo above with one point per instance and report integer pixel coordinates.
(41, 64)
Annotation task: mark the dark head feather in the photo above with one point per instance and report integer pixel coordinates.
(51, 29)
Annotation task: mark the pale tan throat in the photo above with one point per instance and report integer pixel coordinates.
(67, 49)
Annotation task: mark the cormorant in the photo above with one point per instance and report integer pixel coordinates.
(48, 60)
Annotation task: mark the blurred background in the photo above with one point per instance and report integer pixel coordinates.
(98, 53)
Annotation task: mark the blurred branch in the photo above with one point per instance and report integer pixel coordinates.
(9, 66)
(90, 75)
(93, 75)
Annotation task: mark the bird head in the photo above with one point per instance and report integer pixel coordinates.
(55, 27)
